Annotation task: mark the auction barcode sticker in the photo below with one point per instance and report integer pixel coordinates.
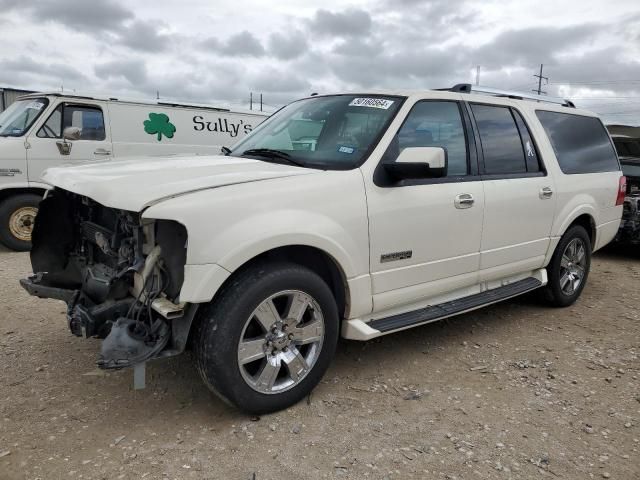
(371, 102)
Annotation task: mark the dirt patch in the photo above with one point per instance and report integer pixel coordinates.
(516, 390)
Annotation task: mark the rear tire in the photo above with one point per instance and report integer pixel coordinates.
(569, 267)
(268, 337)
(17, 216)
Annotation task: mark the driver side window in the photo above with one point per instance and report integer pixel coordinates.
(436, 124)
(88, 119)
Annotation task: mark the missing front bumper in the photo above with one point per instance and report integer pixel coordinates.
(127, 342)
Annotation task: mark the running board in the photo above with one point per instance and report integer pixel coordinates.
(448, 309)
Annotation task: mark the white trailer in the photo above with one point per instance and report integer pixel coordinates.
(42, 130)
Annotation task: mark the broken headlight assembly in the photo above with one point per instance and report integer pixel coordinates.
(119, 274)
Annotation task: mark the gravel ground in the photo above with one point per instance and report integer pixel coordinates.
(516, 390)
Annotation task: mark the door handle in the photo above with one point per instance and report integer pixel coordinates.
(546, 192)
(464, 200)
(102, 151)
(64, 147)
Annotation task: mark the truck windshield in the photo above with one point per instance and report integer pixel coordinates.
(18, 118)
(329, 132)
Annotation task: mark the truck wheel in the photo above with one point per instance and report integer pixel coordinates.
(569, 268)
(17, 216)
(267, 339)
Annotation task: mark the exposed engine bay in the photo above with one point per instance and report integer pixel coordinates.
(629, 231)
(120, 276)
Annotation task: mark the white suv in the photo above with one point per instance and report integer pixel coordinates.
(354, 215)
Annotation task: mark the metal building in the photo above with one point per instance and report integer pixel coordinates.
(8, 96)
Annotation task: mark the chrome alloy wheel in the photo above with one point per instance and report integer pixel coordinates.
(281, 341)
(573, 266)
(21, 223)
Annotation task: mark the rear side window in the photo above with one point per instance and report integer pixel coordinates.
(581, 144)
(500, 139)
(530, 153)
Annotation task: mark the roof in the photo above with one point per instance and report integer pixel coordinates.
(12, 89)
(164, 103)
(504, 97)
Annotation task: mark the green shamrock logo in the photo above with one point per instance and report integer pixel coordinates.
(159, 124)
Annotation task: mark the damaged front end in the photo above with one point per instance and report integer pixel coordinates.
(119, 274)
(629, 231)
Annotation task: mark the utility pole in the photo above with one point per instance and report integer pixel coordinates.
(260, 102)
(250, 100)
(157, 94)
(540, 78)
(478, 75)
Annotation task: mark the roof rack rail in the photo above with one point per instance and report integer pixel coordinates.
(468, 88)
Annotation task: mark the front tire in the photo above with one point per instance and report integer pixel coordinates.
(17, 217)
(569, 268)
(267, 339)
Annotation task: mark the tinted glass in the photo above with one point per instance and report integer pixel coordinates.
(631, 169)
(501, 144)
(530, 153)
(436, 124)
(52, 128)
(627, 148)
(581, 144)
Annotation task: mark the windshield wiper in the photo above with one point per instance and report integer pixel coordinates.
(273, 154)
(225, 151)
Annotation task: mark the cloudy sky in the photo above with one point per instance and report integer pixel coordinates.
(213, 51)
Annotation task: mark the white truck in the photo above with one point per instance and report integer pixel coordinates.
(356, 214)
(42, 130)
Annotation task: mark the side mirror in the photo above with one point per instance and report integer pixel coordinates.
(71, 133)
(419, 162)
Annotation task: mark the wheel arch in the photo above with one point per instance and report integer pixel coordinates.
(314, 258)
(583, 217)
(586, 221)
(583, 214)
(13, 191)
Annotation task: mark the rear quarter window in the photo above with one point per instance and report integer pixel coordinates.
(581, 144)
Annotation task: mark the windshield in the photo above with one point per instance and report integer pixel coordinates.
(631, 168)
(332, 132)
(627, 147)
(20, 115)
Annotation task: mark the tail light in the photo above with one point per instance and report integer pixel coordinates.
(622, 190)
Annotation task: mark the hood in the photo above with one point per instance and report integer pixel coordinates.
(136, 184)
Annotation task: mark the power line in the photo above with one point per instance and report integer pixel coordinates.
(602, 98)
(540, 77)
(593, 82)
(626, 113)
